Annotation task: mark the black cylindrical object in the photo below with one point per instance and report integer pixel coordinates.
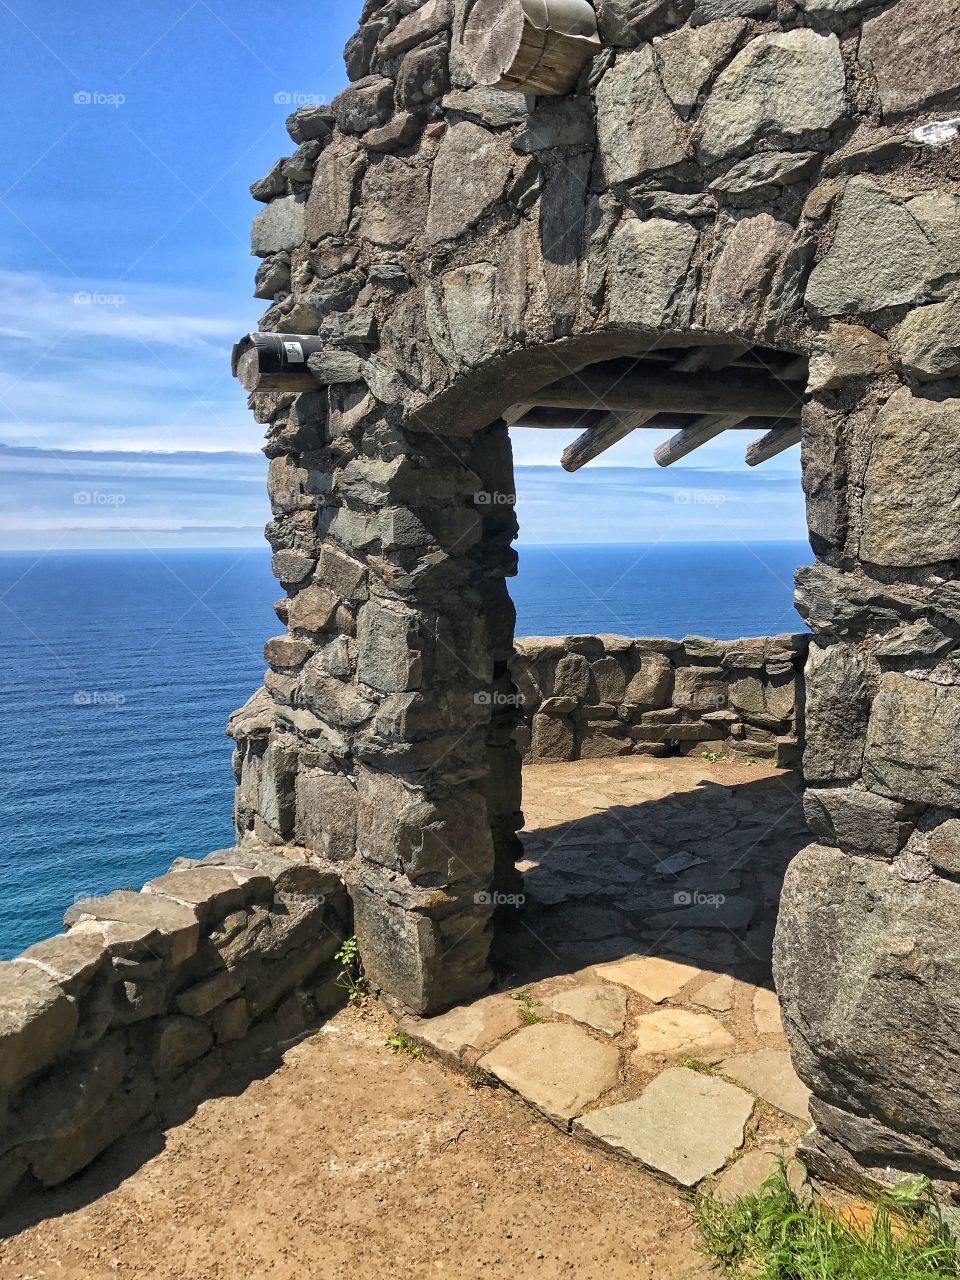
(275, 361)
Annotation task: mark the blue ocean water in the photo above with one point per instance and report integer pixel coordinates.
(120, 669)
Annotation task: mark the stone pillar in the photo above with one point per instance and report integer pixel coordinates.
(868, 952)
(390, 753)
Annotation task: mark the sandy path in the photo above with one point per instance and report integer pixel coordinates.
(354, 1161)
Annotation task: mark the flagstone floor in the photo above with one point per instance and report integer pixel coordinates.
(635, 1003)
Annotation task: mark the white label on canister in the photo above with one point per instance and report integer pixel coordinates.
(294, 352)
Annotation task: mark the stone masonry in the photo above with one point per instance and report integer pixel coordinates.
(590, 697)
(782, 176)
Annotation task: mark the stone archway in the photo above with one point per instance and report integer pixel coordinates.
(450, 250)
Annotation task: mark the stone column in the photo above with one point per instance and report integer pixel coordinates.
(868, 952)
(390, 754)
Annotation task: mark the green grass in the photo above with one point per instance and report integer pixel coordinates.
(528, 1006)
(776, 1235)
(399, 1042)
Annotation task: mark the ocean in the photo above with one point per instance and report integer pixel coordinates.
(120, 669)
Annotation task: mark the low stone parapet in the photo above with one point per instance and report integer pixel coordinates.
(133, 1013)
(610, 695)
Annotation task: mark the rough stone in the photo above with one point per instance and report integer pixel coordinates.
(334, 190)
(688, 60)
(494, 107)
(770, 1075)
(470, 176)
(911, 500)
(626, 23)
(164, 924)
(199, 1000)
(837, 710)
(557, 122)
(652, 976)
(785, 88)
(557, 1068)
(758, 177)
(279, 227)
(858, 821)
(72, 959)
(867, 972)
(887, 249)
(177, 1042)
(753, 250)
(723, 913)
(679, 1033)
(37, 1022)
(414, 28)
(552, 739)
(652, 685)
(843, 353)
(913, 69)
(649, 269)
(309, 123)
(466, 1033)
(684, 1126)
(394, 195)
(364, 104)
(927, 343)
(637, 128)
(911, 741)
(599, 1006)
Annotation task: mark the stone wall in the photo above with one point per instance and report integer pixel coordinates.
(127, 1020)
(585, 697)
(726, 171)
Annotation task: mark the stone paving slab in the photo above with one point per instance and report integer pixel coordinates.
(766, 1012)
(465, 1033)
(599, 1005)
(681, 1033)
(746, 1176)
(717, 995)
(556, 1067)
(651, 976)
(770, 1075)
(684, 1126)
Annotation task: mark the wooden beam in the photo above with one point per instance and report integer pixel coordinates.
(530, 46)
(597, 440)
(513, 415)
(701, 358)
(692, 437)
(276, 361)
(772, 443)
(733, 391)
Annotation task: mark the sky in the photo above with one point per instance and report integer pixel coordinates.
(132, 134)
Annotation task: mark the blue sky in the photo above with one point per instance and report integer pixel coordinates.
(132, 134)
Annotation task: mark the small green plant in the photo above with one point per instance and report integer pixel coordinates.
(712, 757)
(694, 1064)
(351, 976)
(399, 1042)
(778, 1235)
(529, 1005)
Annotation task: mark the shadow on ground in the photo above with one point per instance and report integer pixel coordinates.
(693, 875)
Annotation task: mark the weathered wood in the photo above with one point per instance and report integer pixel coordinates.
(693, 436)
(733, 391)
(719, 357)
(515, 413)
(275, 361)
(597, 440)
(772, 443)
(530, 46)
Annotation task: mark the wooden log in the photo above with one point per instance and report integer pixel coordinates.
(732, 391)
(701, 358)
(275, 361)
(693, 436)
(772, 443)
(597, 440)
(530, 46)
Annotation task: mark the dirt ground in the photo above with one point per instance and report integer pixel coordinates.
(353, 1160)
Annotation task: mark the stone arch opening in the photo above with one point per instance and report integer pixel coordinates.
(789, 182)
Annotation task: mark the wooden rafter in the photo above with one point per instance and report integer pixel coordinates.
(774, 442)
(692, 437)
